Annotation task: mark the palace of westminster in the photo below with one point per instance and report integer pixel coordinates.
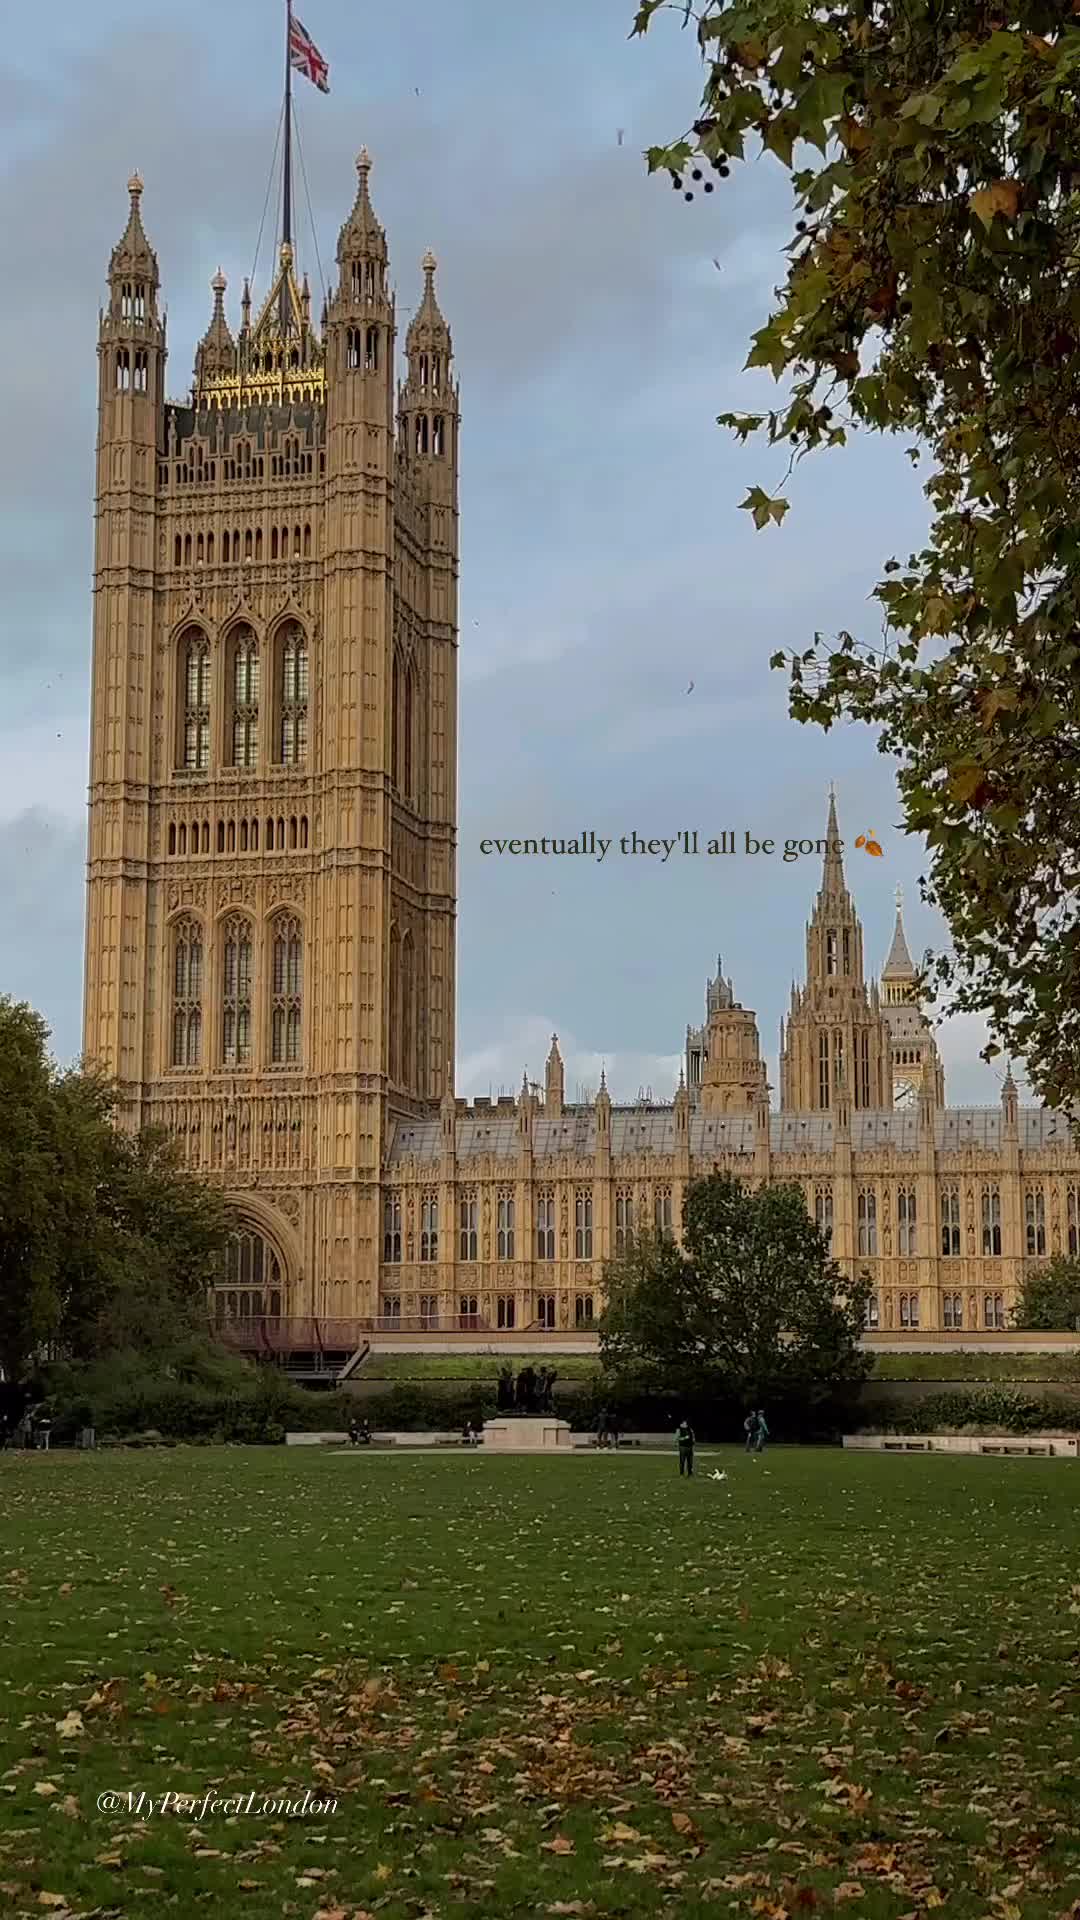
(271, 880)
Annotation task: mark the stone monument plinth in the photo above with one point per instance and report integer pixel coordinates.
(528, 1433)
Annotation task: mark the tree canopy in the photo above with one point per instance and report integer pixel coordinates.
(1049, 1298)
(933, 290)
(106, 1242)
(752, 1305)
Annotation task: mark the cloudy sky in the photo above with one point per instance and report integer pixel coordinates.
(605, 564)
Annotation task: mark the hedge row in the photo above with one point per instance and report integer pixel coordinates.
(996, 1410)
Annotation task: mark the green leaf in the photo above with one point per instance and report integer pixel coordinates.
(763, 508)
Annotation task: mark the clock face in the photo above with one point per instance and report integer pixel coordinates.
(903, 1094)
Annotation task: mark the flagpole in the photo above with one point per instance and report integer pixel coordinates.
(286, 219)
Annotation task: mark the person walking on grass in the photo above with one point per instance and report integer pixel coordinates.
(749, 1427)
(684, 1435)
(761, 1430)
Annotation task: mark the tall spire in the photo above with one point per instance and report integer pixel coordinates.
(217, 348)
(832, 877)
(899, 964)
(427, 328)
(362, 237)
(133, 258)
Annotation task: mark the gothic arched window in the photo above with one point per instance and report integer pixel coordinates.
(236, 981)
(195, 698)
(245, 697)
(408, 1010)
(287, 993)
(409, 720)
(395, 1007)
(187, 983)
(293, 695)
(395, 717)
(252, 1283)
(624, 1218)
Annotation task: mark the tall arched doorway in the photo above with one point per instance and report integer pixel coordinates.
(252, 1287)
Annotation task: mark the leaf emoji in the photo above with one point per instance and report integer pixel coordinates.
(861, 841)
(872, 847)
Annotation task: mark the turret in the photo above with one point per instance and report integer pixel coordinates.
(1010, 1107)
(428, 400)
(360, 316)
(836, 1033)
(898, 973)
(682, 1110)
(131, 339)
(554, 1079)
(526, 1115)
(448, 1113)
(602, 1107)
(217, 349)
(733, 1067)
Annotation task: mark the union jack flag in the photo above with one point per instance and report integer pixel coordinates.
(305, 56)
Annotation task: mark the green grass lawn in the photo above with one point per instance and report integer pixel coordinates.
(999, 1368)
(551, 1686)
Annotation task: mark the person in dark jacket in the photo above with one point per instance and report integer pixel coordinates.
(684, 1435)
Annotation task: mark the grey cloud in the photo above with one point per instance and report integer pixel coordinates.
(42, 873)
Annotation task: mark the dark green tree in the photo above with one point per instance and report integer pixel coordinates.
(752, 1307)
(31, 1184)
(658, 1324)
(933, 290)
(107, 1243)
(1049, 1299)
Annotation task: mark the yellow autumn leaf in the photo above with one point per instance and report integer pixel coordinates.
(1003, 197)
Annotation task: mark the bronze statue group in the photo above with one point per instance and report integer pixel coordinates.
(531, 1393)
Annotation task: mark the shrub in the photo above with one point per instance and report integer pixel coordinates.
(994, 1409)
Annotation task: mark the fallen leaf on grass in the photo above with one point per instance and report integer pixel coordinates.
(560, 1844)
(70, 1725)
(849, 1890)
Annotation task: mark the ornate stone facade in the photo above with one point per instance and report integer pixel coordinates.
(942, 1207)
(270, 930)
(271, 885)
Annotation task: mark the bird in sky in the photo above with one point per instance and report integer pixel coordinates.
(690, 688)
(717, 264)
(619, 134)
